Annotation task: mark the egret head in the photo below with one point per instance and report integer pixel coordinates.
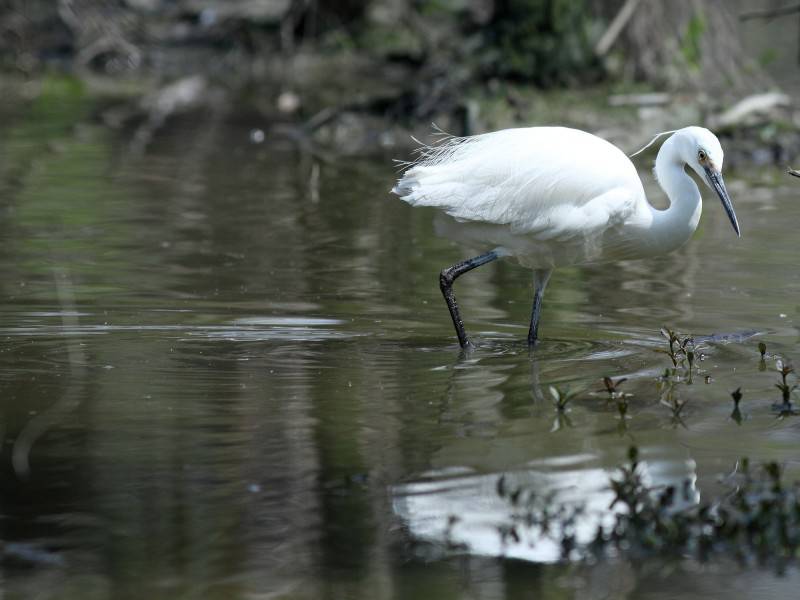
(700, 149)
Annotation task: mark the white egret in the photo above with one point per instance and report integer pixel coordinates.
(554, 196)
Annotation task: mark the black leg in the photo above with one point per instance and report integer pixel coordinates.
(533, 331)
(540, 279)
(446, 279)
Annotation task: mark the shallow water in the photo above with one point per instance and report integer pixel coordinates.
(226, 371)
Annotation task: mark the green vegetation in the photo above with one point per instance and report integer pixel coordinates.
(755, 520)
(691, 46)
(547, 42)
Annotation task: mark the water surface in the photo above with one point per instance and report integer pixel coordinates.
(226, 371)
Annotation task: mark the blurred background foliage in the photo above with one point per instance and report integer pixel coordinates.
(332, 65)
(545, 42)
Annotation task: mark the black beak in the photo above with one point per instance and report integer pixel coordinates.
(718, 185)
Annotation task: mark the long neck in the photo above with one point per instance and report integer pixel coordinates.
(673, 226)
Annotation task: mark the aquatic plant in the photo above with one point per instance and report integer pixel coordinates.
(561, 397)
(755, 520)
(736, 415)
(762, 349)
(785, 370)
(785, 408)
(678, 348)
(611, 386)
(684, 355)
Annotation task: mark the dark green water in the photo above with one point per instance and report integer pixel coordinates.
(226, 371)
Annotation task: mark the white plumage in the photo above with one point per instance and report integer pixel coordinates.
(552, 196)
(525, 179)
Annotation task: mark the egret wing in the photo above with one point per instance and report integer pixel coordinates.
(550, 182)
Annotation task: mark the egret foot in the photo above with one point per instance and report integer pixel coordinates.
(446, 279)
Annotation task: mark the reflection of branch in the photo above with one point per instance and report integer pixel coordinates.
(770, 13)
(40, 424)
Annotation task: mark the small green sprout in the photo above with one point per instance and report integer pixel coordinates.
(672, 342)
(611, 385)
(612, 388)
(621, 398)
(736, 415)
(785, 409)
(561, 397)
(678, 348)
(785, 369)
(762, 349)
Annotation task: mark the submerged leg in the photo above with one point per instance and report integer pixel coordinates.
(540, 279)
(446, 279)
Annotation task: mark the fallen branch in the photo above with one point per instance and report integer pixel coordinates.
(751, 110)
(617, 25)
(770, 13)
(646, 99)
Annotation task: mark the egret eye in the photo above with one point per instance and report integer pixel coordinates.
(701, 156)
